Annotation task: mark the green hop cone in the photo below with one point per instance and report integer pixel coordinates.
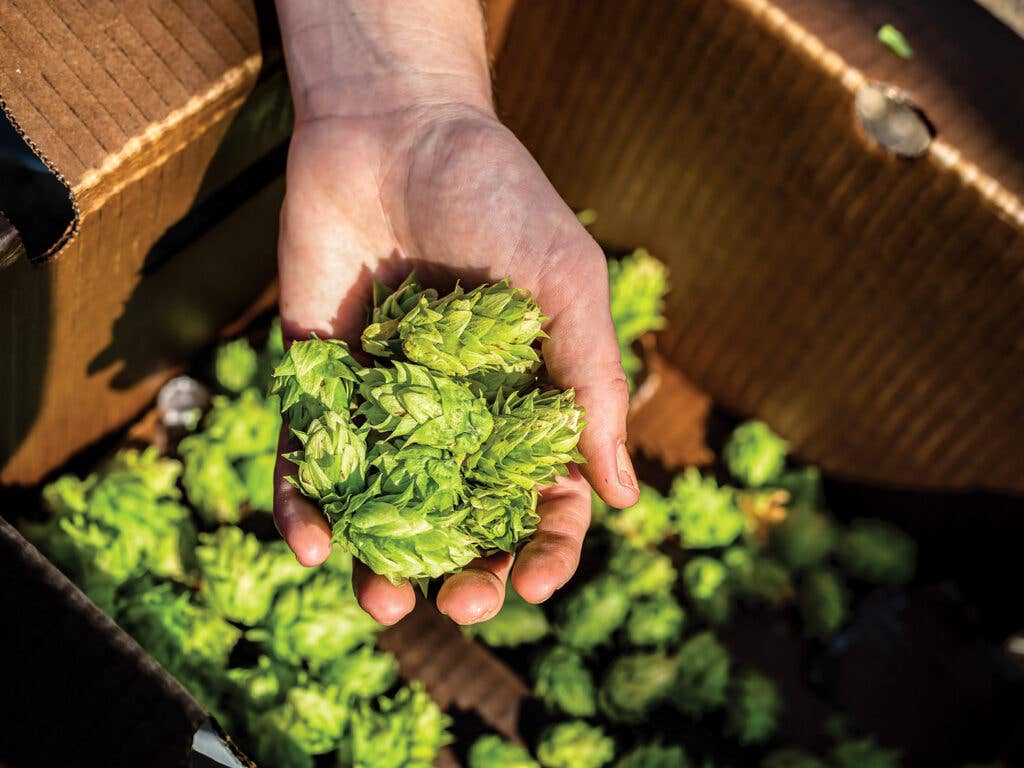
(315, 376)
(642, 571)
(259, 688)
(804, 486)
(362, 673)
(427, 409)
(235, 365)
(489, 384)
(754, 454)
(637, 287)
(705, 580)
(654, 756)
(403, 731)
(757, 578)
(212, 483)
(753, 708)
(702, 674)
(593, 612)
(380, 338)
(240, 576)
(500, 518)
(175, 629)
(656, 620)
(257, 475)
(434, 475)
(864, 753)
(649, 521)
(245, 426)
(492, 327)
(332, 462)
(876, 552)
(158, 474)
(804, 539)
(575, 744)
(494, 752)
(315, 622)
(398, 539)
(311, 717)
(534, 437)
(562, 681)
(823, 600)
(635, 684)
(707, 515)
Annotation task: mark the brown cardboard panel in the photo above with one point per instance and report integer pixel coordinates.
(152, 275)
(870, 308)
(966, 73)
(668, 415)
(77, 688)
(72, 375)
(82, 82)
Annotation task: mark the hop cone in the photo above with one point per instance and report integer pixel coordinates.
(754, 454)
(381, 336)
(534, 436)
(413, 402)
(635, 684)
(488, 384)
(398, 539)
(235, 365)
(492, 327)
(433, 474)
(563, 682)
(315, 376)
(333, 457)
(499, 518)
(753, 708)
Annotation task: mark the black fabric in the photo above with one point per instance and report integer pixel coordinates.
(32, 197)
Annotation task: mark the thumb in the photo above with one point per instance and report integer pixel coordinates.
(582, 352)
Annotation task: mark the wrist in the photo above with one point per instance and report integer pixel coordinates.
(365, 58)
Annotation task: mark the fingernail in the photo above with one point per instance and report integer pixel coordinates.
(627, 476)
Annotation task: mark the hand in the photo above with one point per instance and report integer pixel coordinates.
(398, 162)
(450, 192)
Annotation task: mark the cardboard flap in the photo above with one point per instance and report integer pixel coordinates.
(867, 306)
(111, 704)
(104, 92)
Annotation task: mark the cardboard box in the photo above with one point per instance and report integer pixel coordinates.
(869, 306)
(169, 126)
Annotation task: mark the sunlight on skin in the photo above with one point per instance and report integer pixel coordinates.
(402, 169)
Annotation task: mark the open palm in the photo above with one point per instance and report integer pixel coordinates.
(451, 193)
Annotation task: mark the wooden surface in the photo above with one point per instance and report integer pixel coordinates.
(870, 308)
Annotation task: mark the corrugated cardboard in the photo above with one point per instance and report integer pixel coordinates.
(167, 122)
(868, 307)
(110, 703)
(871, 308)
